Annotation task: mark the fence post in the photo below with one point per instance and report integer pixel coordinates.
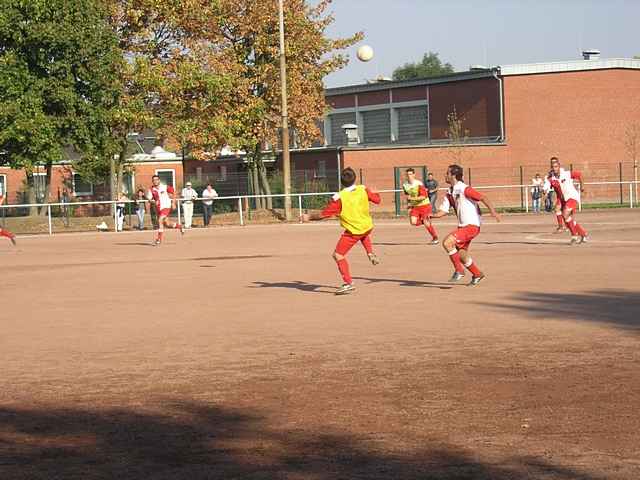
(300, 204)
(630, 195)
(114, 205)
(240, 211)
(521, 189)
(49, 215)
(526, 199)
(620, 171)
(179, 216)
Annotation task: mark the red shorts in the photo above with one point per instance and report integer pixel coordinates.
(464, 235)
(348, 240)
(165, 212)
(422, 213)
(570, 204)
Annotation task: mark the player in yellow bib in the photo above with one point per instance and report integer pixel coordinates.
(351, 205)
(420, 209)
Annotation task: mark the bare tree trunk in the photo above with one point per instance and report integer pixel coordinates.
(255, 185)
(31, 193)
(262, 174)
(47, 187)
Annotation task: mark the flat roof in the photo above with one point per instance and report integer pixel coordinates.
(502, 70)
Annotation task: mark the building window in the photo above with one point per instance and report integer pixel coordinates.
(128, 183)
(223, 173)
(412, 124)
(322, 169)
(376, 125)
(81, 187)
(40, 186)
(3, 186)
(336, 121)
(167, 177)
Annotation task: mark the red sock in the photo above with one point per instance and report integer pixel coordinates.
(366, 243)
(160, 235)
(178, 226)
(432, 231)
(343, 267)
(454, 255)
(473, 268)
(6, 233)
(560, 219)
(572, 225)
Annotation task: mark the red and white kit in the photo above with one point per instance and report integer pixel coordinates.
(463, 199)
(162, 196)
(563, 185)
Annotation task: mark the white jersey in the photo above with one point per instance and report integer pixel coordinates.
(563, 185)
(160, 195)
(463, 199)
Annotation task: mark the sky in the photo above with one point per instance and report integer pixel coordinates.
(485, 32)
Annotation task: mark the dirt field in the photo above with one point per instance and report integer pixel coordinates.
(226, 355)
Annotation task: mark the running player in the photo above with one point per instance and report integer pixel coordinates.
(420, 208)
(4, 232)
(561, 181)
(351, 205)
(164, 197)
(464, 200)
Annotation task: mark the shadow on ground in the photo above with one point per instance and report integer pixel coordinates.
(618, 307)
(408, 283)
(295, 285)
(196, 441)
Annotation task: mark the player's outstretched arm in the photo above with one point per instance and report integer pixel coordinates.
(333, 208)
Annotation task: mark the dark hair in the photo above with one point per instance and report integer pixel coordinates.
(456, 171)
(155, 176)
(554, 159)
(208, 185)
(410, 170)
(348, 177)
(430, 173)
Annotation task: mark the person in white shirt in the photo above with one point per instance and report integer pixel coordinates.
(536, 192)
(188, 196)
(207, 205)
(464, 200)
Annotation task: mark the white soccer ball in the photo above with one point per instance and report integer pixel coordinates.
(365, 53)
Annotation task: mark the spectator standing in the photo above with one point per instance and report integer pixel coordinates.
(120, 206)
(207, 204)
(188, 195)
(432, 188)
(141, 207)
(536, 192)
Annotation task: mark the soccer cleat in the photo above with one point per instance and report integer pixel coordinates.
(435, 241)
(156, 243)
(575, 240)
(181, 228)
(584, 239)
(345, 289)
(373, 258)
(13, 239)
(456, 277)
(559, 230)
(475, 280)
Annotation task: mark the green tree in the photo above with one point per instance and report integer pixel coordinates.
(430, 66)
(58, 82)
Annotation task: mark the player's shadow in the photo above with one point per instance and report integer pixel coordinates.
(617, 307)
(197, 441)
(408, 283)
(295, 285)
(399, 244)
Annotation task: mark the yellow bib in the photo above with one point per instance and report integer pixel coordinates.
(355, 216)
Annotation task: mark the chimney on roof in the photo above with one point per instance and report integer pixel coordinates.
(591, 54)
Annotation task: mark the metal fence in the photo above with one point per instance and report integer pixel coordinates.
(236, 209)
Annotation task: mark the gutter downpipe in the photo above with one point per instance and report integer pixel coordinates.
(501, 95)
(339, 158)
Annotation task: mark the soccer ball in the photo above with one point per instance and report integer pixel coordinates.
(365, 53)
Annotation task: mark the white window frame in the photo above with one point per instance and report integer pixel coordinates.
(4, 189)
(75, 192)
(39, 174)
(133, 185)
(173, 175)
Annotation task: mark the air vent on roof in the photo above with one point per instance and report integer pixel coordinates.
(475, 68)
(591, 54)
